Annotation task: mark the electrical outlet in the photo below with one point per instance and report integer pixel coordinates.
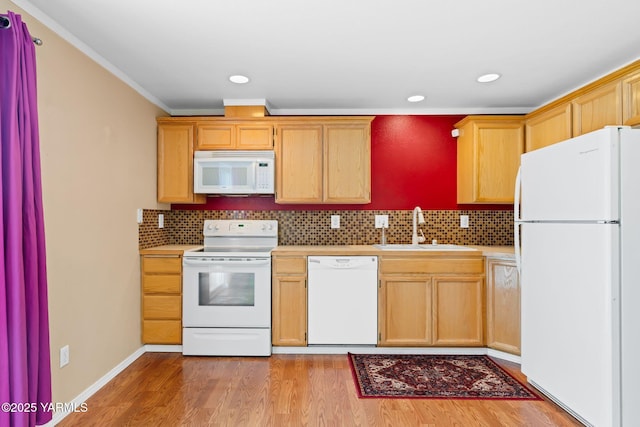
(464, 221)
(139, 215)
(160, 220)
(382, 221)
(335, 221)
(64, 356)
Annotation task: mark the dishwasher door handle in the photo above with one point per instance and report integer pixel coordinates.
(342, 263)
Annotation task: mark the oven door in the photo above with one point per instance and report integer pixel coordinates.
(226, 292)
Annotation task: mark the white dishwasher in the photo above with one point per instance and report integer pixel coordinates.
(342, 300)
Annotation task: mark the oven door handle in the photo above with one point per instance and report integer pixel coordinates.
(237, 262)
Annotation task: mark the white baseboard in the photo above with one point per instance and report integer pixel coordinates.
(504, 356)
(158, 348)
(91, 390)
(344, 349)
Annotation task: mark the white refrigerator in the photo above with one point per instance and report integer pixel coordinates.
(577, 231)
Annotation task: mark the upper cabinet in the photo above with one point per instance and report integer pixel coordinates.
(613, 100)
(299, 170)
(325, 160)
(225, 135)
(548, 126)
(489, 149)
(347, 162)
(631, 99)
(175, 163)
(597, 108)
(318, 159)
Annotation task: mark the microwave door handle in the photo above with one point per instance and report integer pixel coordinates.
(254, 175)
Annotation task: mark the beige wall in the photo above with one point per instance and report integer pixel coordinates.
(98, 147)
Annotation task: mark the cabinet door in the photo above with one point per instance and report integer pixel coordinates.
(503, 305)
(221, 136)
(598, 108)
(404, 312)
(254, 136)
(489, 150)
(631, 100)
(299, 164)
(458, 311)
(289, 311)
(162, 332)
(548, 127)
(347, 163)
(162, 307)
(175, 164)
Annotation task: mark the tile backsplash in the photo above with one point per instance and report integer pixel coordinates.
(311, 227)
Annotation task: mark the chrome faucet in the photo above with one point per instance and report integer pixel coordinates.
(417, 218)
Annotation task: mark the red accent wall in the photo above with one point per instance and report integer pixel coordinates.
(413, 163)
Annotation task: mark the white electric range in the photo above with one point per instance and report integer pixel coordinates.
(226, 309)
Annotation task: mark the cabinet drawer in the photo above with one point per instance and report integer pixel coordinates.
(162, 307)
(162, 265)
(297, 265)
(161, 283)
(162, 332)
(431, 265)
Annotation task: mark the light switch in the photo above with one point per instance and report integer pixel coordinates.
(160, 220)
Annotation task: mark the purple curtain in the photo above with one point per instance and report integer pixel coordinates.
(25, 371)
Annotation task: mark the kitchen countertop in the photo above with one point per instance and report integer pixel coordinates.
(496, 251)
(169, 249)
(493, 251)
(500, 251)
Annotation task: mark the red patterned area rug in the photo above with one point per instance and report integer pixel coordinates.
(429, 376)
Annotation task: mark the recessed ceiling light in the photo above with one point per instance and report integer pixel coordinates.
(240, 79)
(487, 78)
(415, 98)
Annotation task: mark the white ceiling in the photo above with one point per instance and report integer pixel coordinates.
(350, 56)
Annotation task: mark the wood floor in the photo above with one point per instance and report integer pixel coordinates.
(167, 389)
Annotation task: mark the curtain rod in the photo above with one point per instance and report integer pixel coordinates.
(6, 23)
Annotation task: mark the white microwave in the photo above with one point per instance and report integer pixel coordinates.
(233, 172)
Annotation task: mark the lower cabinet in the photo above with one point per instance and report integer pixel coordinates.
(404, 311)
(503, 305)
(161, 299)
(289, 301)
(431, 301)
(458, 311)
(422, 301)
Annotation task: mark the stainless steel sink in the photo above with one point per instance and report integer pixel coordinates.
(426, 247)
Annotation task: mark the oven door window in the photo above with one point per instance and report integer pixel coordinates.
(226, 289)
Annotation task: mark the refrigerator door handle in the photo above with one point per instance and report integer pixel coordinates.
(516, 221)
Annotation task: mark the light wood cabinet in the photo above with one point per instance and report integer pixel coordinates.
(489, 149)
(289, 301)
(458, 311)
(431, 300)
(631, 99)
(503, 305)
(175, 164)
(299, 165)
(405, 307)
(549, 126)
(597, 108)
(161, 299)
(324, 161)
(250, 135)
(347, 163)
